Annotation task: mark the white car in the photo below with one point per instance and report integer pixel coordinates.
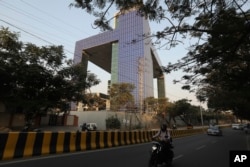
(214, 130)
(88, 127)
(237, 126)
(91, 126)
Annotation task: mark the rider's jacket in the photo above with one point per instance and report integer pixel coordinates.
(163, 136)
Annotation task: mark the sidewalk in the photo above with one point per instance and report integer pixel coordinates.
(59, 128)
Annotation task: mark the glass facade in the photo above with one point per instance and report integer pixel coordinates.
(126, 55)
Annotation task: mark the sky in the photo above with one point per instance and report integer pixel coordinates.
(53, 22)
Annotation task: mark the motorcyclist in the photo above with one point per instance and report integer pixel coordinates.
(164, 136)
(84, 127)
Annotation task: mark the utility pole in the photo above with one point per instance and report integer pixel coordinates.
(201, 116)
(141, 82)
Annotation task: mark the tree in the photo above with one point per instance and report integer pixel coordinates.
(113, 123)
(35, 80)
(171, 112)
(93, 101)
(121, 97)
(185, 111)
(218, 57)
(151, 104)
(162, 105)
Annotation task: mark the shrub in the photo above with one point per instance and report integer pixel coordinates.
(113, 123)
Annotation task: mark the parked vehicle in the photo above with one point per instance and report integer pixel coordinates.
(91, 126)
(237, 126)
(160, 153)
(214, 130)
(88, 127)
(28, 128)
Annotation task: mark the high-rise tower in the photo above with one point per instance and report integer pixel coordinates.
(126, 54)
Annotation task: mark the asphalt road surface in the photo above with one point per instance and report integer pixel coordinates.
(194, 151)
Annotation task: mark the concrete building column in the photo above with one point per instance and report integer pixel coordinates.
(161, 86)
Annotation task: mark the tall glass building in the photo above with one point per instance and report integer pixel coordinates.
(126, 54)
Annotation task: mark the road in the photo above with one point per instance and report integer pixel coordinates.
(196, 151)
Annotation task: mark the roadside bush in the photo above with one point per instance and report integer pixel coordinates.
(113, 123)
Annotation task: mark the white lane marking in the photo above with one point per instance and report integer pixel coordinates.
(201, 147)
(179, 156)
(68, 154)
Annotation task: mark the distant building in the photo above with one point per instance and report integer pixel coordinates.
(100, 102)
(126, 55)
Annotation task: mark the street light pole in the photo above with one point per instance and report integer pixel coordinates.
(201, 116)
(200, 110)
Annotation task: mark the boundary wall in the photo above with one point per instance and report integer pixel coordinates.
(28, 144)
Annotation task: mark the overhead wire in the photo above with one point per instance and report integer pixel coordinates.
(27, 32)
(56, 18)
(36, 36)
(39, 20)
(47, 34)
(25, 13)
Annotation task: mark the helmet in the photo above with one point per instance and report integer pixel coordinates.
(163, 127)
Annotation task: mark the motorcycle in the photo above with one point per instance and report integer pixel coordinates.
(161, 153)
(28, 128)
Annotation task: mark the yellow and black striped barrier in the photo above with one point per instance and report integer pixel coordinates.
(27, 144)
